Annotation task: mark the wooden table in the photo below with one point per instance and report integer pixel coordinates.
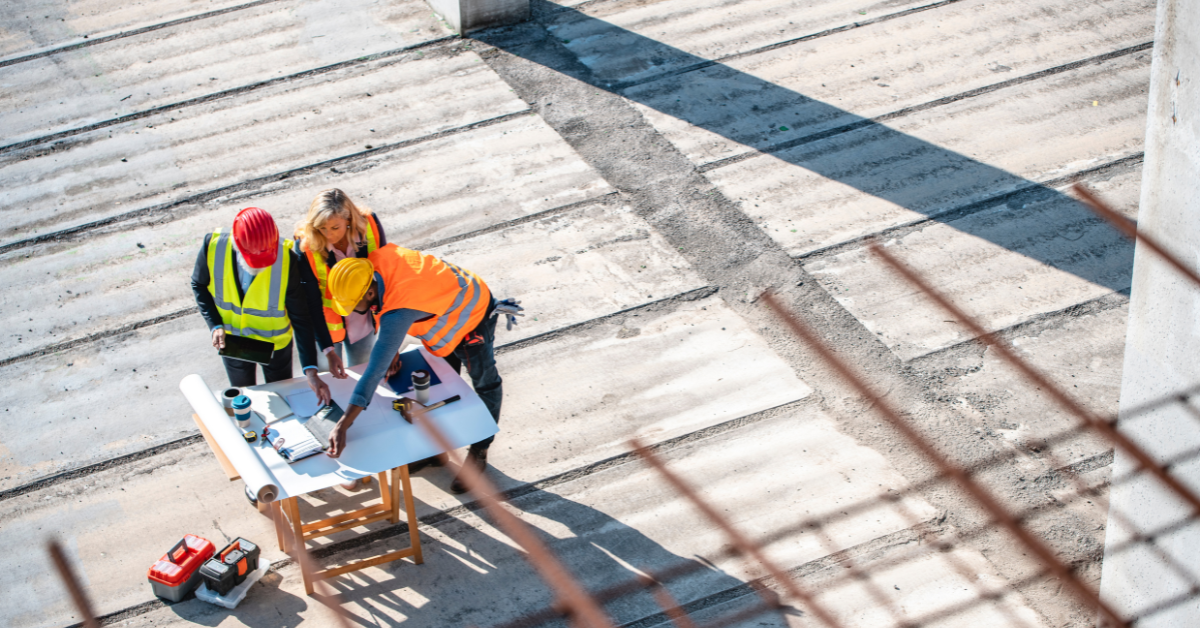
(380, 444)
(289, 526)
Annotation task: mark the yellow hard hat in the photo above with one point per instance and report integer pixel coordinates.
(348, 282)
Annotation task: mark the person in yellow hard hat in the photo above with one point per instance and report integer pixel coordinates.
(448, 308)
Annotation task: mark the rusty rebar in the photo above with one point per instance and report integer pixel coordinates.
(1130, 230)
(744, 545)
(82, 605)
(998, 512)
(1103, 427)
(572, 597)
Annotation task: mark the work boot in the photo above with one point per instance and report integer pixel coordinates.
(474, 457)
(432, 461)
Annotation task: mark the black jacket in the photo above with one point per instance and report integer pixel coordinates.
(295, 301)
(315, 304)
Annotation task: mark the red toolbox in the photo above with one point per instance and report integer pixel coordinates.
(178, 571)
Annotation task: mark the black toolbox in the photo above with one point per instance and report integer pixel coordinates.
(229, 568)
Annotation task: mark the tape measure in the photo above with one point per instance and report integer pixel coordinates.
(250, 436)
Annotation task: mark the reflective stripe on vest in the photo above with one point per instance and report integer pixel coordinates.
(261, 314)
(333, 320)
(456, 297)
(461, 318)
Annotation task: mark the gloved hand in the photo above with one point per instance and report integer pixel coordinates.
(510, 308)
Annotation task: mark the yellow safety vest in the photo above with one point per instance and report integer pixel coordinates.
(316, 259)
(261, 314)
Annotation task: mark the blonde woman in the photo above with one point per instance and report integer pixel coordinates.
(335, 229)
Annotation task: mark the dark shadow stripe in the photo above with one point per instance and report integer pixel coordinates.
(899, 113)
(73, 233)
(137, 31)
(782, 44)
(235, 91)
(956, 213)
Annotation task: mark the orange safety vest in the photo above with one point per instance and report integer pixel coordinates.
(333, 320)
(456, 297)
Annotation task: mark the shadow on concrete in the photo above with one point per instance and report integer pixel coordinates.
(482, 579)
(1024, 216)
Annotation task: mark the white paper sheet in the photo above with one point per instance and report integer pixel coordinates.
(304, 403)
(260, 480)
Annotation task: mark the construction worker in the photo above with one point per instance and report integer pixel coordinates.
(248, 283)
(335, 229)
(448, 308)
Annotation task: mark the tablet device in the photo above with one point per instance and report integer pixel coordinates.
(247, 349)
(322, 423)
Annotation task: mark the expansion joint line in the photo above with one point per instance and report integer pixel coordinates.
(131, 33)
(251, 184)
(233, 91)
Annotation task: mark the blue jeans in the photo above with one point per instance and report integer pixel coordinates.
(480, 360)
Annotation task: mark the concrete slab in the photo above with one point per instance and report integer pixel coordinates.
(928, 591)
(938, 160)
(29, 27)
(504, 172)
(80, 87)
(602, 524)
(565, 269)
(177, 155)
(793, 92)
(1006, 264)
(666, 35)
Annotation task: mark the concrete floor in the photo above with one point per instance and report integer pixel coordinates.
(636, 172)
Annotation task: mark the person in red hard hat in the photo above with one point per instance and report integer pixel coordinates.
(248, 282)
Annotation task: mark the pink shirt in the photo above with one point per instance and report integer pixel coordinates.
(358, 326)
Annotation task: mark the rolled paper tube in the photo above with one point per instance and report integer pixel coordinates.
(255, 474)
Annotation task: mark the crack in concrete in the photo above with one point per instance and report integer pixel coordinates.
(162, 213)
(244, 89)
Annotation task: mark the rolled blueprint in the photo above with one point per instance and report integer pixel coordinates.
(229, 438)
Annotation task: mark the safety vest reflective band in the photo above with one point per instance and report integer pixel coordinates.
(316, 260)
(261, 313)
(456, 297)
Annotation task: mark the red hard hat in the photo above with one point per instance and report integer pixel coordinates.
(256, 237)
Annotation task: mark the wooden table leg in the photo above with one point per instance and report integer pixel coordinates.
(292, 508)
(414, 535)
(277, 515)
(394, 491)
(385, 493)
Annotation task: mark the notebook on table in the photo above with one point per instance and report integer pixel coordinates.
(296, 441)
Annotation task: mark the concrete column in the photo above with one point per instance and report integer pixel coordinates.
(465, 16)
(1162, 351)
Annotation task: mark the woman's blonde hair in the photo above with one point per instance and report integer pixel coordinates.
(326, 205)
